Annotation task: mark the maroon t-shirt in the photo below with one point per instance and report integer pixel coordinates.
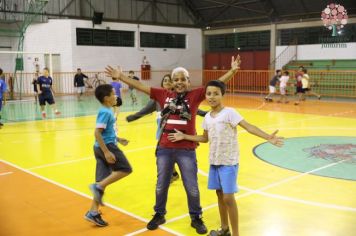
(298, 78)
(193, 98)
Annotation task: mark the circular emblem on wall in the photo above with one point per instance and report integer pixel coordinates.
(326, 156)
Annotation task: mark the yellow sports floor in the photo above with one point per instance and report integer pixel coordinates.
(307, 187)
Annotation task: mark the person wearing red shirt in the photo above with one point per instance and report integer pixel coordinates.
(179, 112)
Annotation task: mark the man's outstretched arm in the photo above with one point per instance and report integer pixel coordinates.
(117, 73)
(235, 66)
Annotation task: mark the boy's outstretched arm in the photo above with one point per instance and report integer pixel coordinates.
(174, 137)
(272, 138)
(235, 66)
(117, 73)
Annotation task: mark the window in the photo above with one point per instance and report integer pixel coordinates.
(95, 37)
(161, 40)
(316, 35)
(246, 41)
(84, 36)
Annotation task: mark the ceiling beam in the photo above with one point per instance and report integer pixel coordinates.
(227, 6)
(270, 9)
(222, 5)
(191, 10)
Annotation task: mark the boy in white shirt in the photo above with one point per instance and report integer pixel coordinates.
(220, 129)
(282, 86)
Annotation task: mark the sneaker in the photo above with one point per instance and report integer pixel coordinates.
(174, 177)
(198, 224)
(96, 219)
(157, 220)
(97, 193)
(44, 115)
(220, 232)
(319, 97)
(1, 124)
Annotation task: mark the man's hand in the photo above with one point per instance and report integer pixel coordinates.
(277, 141)
(110, 158)
(114, 73)
(235, 63)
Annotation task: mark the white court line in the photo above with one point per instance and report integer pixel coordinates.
(86, 196)
(258, 191)
(83, 159)
(59, 163)
(312, 203)
(6, 173)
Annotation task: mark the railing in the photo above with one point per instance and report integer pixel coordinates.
(327, 83)
(287, 55)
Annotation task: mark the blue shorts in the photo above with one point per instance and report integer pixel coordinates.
(223, 178)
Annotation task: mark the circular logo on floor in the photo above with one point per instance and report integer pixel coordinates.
(325, 156)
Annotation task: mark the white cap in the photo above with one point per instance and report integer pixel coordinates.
(180, 69)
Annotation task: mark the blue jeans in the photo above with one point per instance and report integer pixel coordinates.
(187, 163)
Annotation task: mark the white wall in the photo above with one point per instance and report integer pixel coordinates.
(59, 36)
(55, 37)
(320, 52)
(7, 61)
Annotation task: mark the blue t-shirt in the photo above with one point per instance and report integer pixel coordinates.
(2, 87)
(106, 120)
(117, 86)
(45, 83)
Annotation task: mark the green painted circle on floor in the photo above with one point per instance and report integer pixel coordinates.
(326, 156)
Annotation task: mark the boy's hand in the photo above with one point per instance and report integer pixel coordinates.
(110, 158)
(123, 141)
(114, 73)
(235, 63)
(174, 137)
(277, 141)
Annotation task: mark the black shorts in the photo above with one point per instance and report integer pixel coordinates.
(306, 90)
(104, 169)
(300, 90)
(45, 97)
(118, 102)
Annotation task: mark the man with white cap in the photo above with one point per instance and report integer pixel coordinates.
(179, 112)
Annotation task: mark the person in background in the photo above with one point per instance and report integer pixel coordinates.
(79, 83)
(3, 89)
(132, 90)
(283, 81)
(117, 87)
(34, 83)
(272, 86)
(45, 93)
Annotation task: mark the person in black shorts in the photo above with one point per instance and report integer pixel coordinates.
(45, 92)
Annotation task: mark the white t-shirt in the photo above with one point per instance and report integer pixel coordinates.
(305, 81)
(283, 81)
(222, 133)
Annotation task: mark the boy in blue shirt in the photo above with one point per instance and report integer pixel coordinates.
(45, 92)
(111, 163)
(2, 92)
